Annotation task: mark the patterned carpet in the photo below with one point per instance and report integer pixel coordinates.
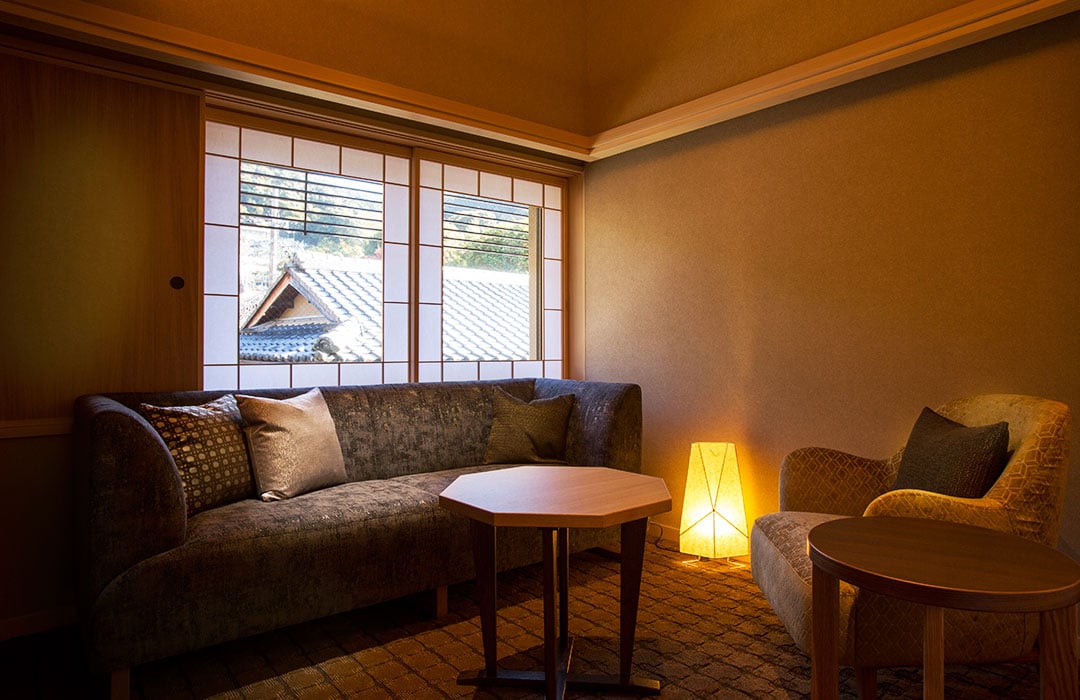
(704, 630)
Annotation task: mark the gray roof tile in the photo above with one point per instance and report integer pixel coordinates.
(485, 316)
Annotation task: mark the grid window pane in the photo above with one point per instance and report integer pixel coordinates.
(264, 376)
(315, 252)
(487, 305)
(315, 375)
(219, 330)
(220, 275)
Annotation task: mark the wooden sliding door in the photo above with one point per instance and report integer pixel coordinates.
(100, 251)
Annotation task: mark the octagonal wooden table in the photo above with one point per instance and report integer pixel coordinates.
(554, 499)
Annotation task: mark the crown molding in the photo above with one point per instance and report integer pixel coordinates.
(960, 26)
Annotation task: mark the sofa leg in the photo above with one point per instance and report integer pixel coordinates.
(866, 682)
(120, 684)
(442, 602)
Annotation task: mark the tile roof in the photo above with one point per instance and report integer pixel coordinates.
(485, 316)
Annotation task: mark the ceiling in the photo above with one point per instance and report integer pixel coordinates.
(580, 79)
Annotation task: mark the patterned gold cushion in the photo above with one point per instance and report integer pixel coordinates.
(208, 448)
(294, 444)
(528, 431)
(947, 457)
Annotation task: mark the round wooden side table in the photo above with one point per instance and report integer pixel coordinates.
(944, 565)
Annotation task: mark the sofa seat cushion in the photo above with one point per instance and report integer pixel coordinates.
(251, 566)
(781, 566)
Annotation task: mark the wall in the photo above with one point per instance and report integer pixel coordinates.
(816, 273)
(100, 202)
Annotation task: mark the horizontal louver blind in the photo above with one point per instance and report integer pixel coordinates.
(488, 233)
(286, 199)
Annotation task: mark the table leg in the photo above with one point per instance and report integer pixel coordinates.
(824, 636)
(1057, 654)
(632, 562)
(554, 677)
(562, 551)
(483, 544)
(934, 653)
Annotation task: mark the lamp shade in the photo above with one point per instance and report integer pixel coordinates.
(713, 515)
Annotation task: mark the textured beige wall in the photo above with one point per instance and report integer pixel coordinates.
(521, 58)
(816, 273)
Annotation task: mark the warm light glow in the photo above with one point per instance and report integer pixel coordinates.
(713, 516)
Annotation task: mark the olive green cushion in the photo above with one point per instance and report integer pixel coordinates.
(528, 431)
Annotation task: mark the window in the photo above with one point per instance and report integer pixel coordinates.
(316, 275)
(490, 292)
(487, 299)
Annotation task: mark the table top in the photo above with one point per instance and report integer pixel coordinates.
(556, 496)
(946, 564)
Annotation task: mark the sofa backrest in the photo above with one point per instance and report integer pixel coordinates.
(390, 430)
(396, 429)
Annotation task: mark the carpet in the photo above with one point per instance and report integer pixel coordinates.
(704, 629)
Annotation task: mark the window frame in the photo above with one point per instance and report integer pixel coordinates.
(548, 267)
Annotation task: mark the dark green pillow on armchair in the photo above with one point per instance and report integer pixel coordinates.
(947, 457)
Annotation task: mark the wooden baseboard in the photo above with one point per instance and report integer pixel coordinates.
(38, 622)
(35, 427)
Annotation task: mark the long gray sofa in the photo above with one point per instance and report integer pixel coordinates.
(154, 582)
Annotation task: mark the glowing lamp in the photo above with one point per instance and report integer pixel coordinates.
(713, 516)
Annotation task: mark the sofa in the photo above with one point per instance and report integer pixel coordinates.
(156, 578)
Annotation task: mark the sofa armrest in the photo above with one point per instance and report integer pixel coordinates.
(129, 502)
(821, 480)
(605, 424)
(912, 503)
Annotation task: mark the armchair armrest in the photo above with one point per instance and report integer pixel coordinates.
(821, 480)
(912, 503)
(129, 502)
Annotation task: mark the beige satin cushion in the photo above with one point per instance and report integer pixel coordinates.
(293, 444)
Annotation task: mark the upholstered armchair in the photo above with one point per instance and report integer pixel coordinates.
(818, 484)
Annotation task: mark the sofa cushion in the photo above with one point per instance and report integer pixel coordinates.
(208, 448)
(528, 431)
(293, 443)
(947, 457)
(781, 566)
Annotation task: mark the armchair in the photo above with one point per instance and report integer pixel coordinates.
(819, 484)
